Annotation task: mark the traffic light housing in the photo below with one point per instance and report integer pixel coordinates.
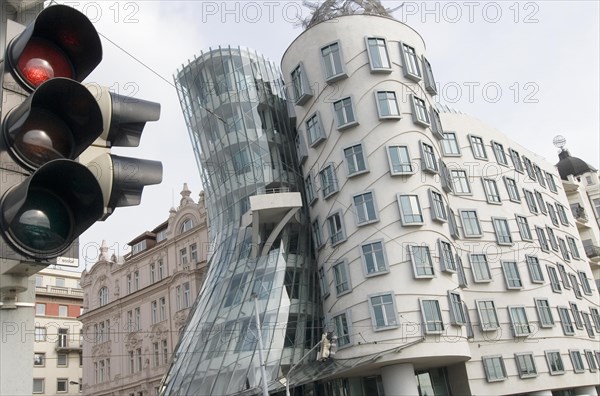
(328, 347)
(57, 174)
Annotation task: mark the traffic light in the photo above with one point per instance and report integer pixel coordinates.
(328, 347)
(49, 121)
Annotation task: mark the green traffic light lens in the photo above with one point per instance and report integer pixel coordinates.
(43, 137)
(43, 223)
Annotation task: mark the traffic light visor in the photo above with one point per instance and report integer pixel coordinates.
(61, 42)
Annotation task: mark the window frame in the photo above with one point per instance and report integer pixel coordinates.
(396, 322)
(309, 184)
(377, 47)
(344, 113)
(457, 312)
(515, 157)
(462, 221)
(391, 102)
(592, 364)
(576, 361)
(408, 54)
(355, 160)
(499, 153)
(325, 183)
(524, 371)
(420, 112)
(448, 144)
(477, 142)
(373, 254)
(502, 231)
(462, 176)
(428, 77)
(437, 206)
(374, 208)
(336, 233)
(534, 268)
(564, 314)
(531, 201)
(512, 189)
(429, 270)
(416, 212)
(511, 266)
(437, 320)
(522, 222)
(485, 325)
(393, 172)
(345, 272)
(302, 93)
(553, 278)
(343, 335)
(317, 236)
(446, 256)
(492, 192)
(314, 123)
(544, 312)
(478, 263)
(498, 362)
(429, 162)
(517, 326)
(556, 353)
(337, 74)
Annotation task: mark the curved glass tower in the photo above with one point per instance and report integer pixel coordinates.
(234, 104)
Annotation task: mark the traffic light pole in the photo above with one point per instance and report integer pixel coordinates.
(17, 326)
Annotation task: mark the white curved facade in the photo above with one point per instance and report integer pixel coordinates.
(377, 168)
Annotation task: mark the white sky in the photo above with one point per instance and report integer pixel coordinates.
(538, 62)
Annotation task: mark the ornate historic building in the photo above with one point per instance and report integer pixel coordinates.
(135, 306)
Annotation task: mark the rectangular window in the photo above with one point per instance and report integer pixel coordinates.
(460, 182)
(555, 363)
(432, 316)
(129, 283)
(39, 359)
(516, 160)
(342, 329)
(378, 55)
(573, 247)
(314, 130)
(430, 85)
(436, 123)
(577, 361)
(301, 151)
(552, 238)
(364, 205)
(183, 258)
(399, 160)
(487, 315)
(428, 160)
(491, 191)
(588, 325)
(383, 311)
(420, 114)
(447, 262)
(526, 365)
(576, 315)
(585, 282)
(300, 85)
(162, 309)
(478, 147)
(137, 319)
(40, 309)
(551, 182)
(62, 385)
(562, 214)
(194, 253)
(410, 210)
(62, 359)
(38, 385)
(450, 146)
(40, 334)
(152, 273)
(342, 278)
(519, 321)
(387, 105)
(544, 312)
(511, 275)
(539, 175)
(344, 113)
(499, 153)
(310, 188)
(595, 313)
(165, 352)
(524, 229)
(565, 321)
(530, 199)
(131, 363)
(333, 63)
(589, 356)
(421, 261)
(161, 270)
(540, 201)
(552, 213)
(503, 234)
(563, 249)
(457, 314)
(553, 277)
(355, 160)
(329, 183)
(480, 268)
(411, 64)
(542, 239)
(494, 368)
(438, 208)
(316, 234)
(575, 284)
(512, 189)
(323, 282)
(374, 260)
(470, 223)
(156, 354)
(336, 228)
(529, 168)
(154, 311)
(535, 270)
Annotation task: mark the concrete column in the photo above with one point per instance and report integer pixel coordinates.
(540, 393)
(586, 391)
(399, 380)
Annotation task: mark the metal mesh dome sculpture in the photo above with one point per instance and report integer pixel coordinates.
(331, 9)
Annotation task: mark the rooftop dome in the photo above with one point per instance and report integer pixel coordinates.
(572, 165)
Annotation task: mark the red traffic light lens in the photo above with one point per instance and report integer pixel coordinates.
(42, 138)
(41, 60)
